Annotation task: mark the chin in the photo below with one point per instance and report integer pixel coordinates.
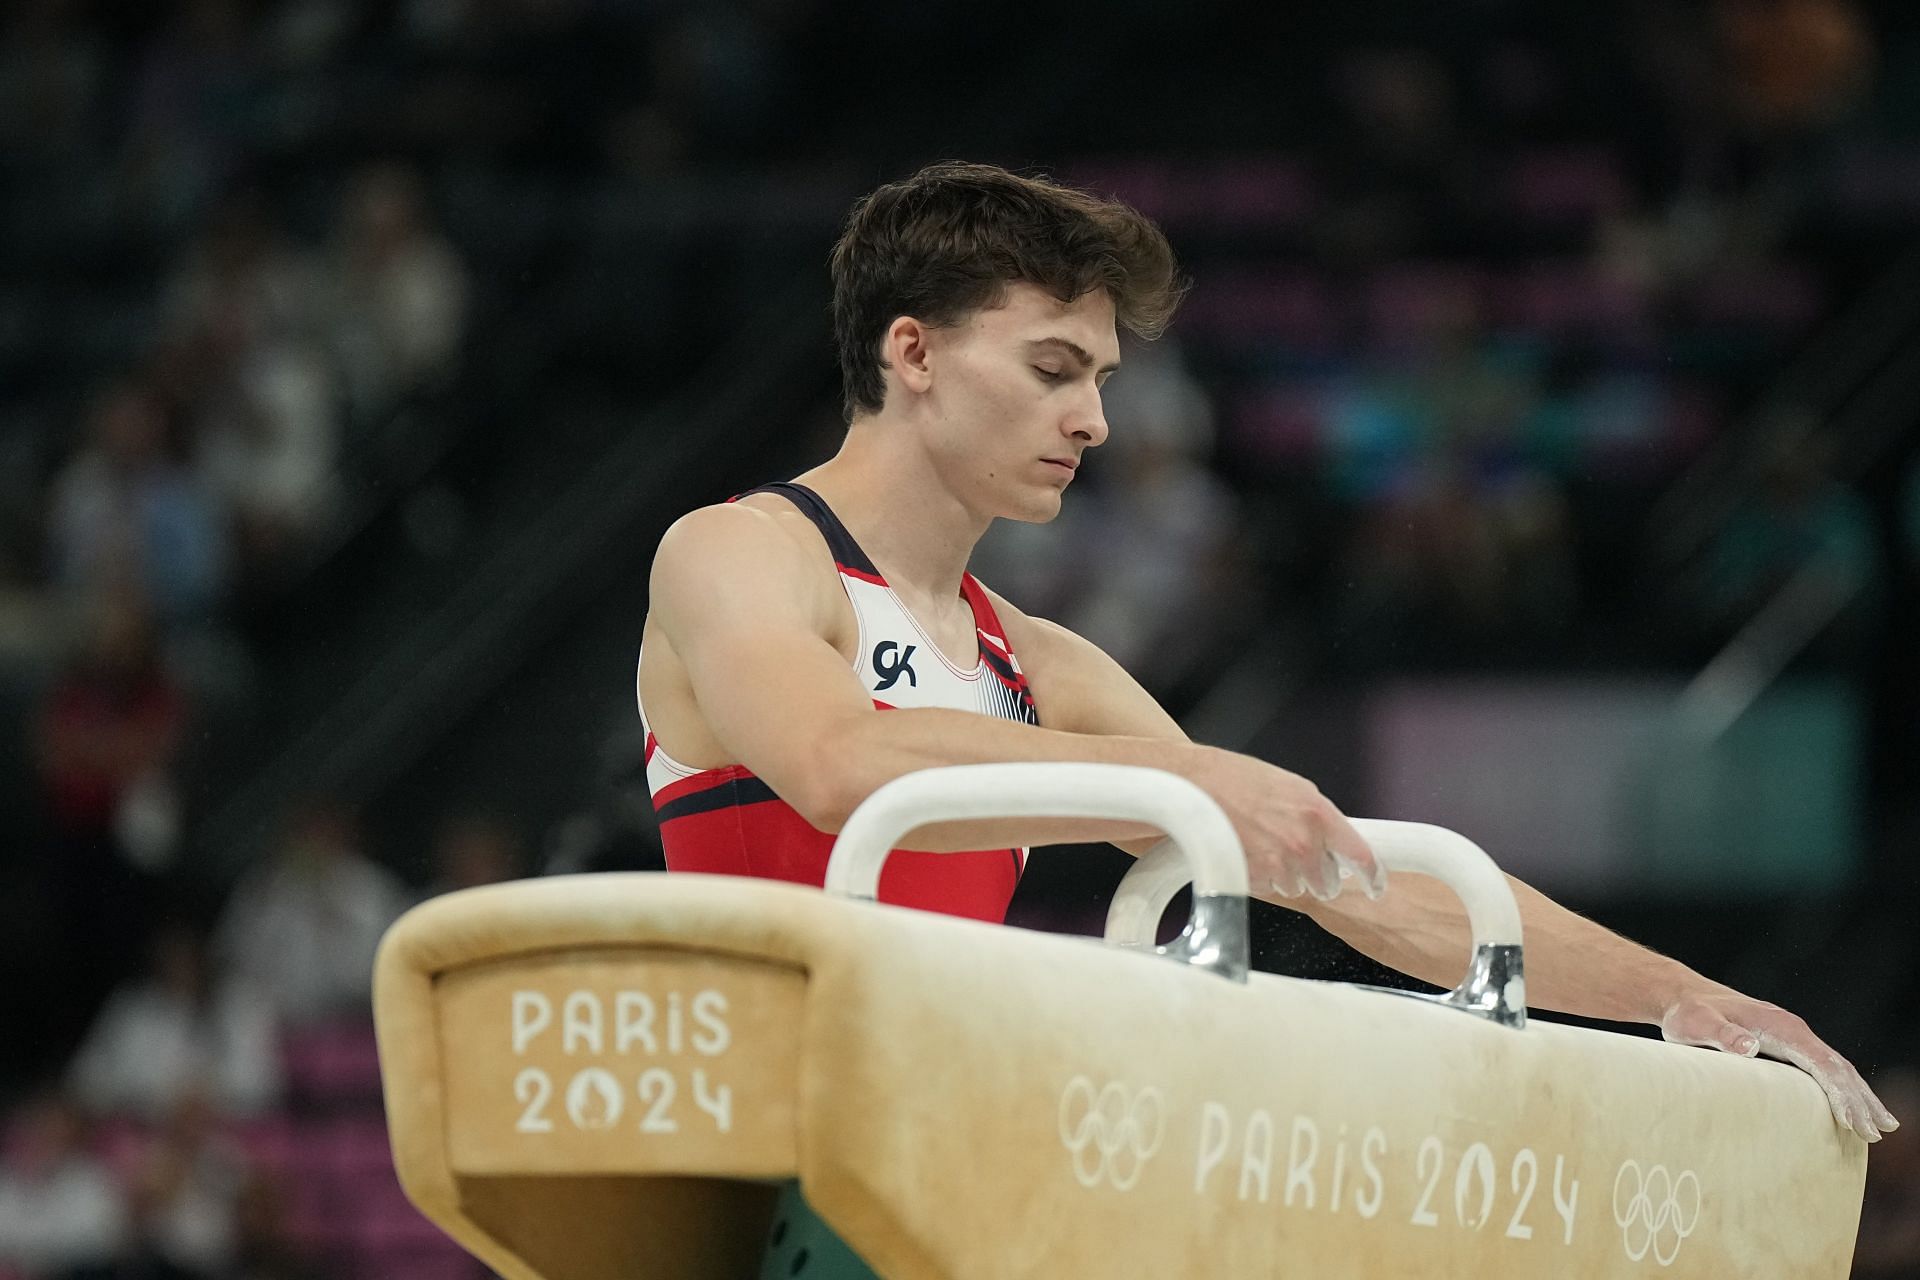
(1038, 510)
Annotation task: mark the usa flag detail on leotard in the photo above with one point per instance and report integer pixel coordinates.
(728, 821)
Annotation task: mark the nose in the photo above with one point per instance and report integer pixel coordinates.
(1087, 422)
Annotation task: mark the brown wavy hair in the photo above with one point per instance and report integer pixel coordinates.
(950, 239)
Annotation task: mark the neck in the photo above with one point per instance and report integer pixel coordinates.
(891, 497)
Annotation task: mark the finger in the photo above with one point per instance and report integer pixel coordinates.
(1860, 1118)
(1348, 846)
(1851, 1102)
(1285, 883)
(1829, 1072)
(1323, 882)
(1706, 1028)
(1857, 1120)
(1716, 1032)
(1870, 1105)
(1702, 1027)
(1697, 1024)
(1369, 880)
(1844, 1105)
(1883, 1119)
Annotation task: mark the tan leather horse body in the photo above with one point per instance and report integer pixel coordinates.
(603, 1078)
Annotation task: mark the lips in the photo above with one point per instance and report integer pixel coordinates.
(1068, 463)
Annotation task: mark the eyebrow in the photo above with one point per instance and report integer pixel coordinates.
(1075, 350)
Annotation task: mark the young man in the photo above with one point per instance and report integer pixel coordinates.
(811, 641)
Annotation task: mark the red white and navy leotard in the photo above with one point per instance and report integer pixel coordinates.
(728, 821)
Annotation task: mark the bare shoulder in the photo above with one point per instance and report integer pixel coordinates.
(759, 550)
(758, 525)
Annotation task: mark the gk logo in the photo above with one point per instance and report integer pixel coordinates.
(890, 671)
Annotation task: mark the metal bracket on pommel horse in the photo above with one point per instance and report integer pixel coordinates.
(607, 1077)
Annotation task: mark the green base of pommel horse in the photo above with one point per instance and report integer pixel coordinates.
(608, 1078)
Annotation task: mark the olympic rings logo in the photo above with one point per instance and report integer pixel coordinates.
(1112, 1132)
(1658, 1212)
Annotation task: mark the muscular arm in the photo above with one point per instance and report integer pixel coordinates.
(1577, 966)
(1573, 964)
(1420, 928)
(783, 702)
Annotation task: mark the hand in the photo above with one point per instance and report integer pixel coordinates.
(1296, 840)
(1722, 1018)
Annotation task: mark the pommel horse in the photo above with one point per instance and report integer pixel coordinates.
(605, 1078)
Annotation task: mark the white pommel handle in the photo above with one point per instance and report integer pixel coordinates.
(1495, 984)
(1213, 860)
(1463, 866)
(1457, 862)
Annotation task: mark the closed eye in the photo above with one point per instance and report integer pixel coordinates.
(1048, 375)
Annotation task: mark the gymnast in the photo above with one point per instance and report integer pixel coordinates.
(975, 314)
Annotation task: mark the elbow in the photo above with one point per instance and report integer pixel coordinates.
(822, 790)
(834, 775)
(823, 798)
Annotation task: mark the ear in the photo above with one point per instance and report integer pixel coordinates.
(907, 350)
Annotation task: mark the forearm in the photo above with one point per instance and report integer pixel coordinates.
(874, 749)
(1573, 965)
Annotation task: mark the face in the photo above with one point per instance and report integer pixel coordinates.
(1012, 396)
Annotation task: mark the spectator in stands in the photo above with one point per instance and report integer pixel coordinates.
(108, 739)
(263, 1246)
(185, 1193)
(245, 365)
(303, 926)
(1889, 1242)
(180, 1034)
(125, 507)
(1744, 89)
(266, 437)
(60, 1210)
(471, 849)
(243, 272)
(110, 727)
(399, 302)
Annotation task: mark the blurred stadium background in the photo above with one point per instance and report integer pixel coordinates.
(1536, 455)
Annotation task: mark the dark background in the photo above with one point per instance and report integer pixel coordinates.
(1536, 455)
